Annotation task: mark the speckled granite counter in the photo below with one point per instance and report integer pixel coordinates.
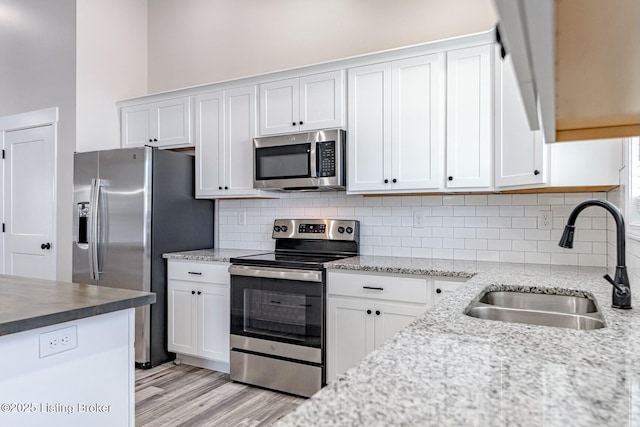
(27, 304)
(216, 255)
(448, 369)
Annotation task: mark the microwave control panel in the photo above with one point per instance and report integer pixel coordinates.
(326, 152)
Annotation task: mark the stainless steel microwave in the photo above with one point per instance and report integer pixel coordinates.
(312, 161)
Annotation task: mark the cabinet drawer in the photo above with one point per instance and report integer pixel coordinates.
(208, 272)
(373, 286)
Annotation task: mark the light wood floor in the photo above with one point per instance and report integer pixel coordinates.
(183, 395)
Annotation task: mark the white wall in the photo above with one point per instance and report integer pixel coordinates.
(111, 65)
(193, 42)
(37, 70)
(495, 227)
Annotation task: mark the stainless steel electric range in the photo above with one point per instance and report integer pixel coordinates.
(278, 305)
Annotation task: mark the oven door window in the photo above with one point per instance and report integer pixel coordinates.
(273, 309)
(282, 162)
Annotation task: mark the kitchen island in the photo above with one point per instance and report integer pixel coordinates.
(447, 368)
(66, 353)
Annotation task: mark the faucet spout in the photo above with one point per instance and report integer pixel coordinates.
(621, 293)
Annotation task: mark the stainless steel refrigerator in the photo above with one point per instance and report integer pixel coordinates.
(130, 206)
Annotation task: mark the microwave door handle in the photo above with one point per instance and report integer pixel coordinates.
(313, 160)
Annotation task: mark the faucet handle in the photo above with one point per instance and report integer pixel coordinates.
(621, 290)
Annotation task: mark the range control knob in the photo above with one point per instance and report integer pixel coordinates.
(276, 228)
(349, 230)
(341, 229)
(283, 228)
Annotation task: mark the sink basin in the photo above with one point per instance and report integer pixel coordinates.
(544, 302)
(562, 311)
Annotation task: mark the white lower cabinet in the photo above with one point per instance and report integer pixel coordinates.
(364, 310)
(198, 310)
(444, 287)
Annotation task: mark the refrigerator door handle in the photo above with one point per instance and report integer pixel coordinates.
(94, 270)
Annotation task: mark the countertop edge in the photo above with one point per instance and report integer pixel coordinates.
(27, 324)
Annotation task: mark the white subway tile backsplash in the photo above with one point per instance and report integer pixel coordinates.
(453, 243)
(464, 211)
(464, 233)
(493, 256)
(512, 211)
(524, 199)
(494, 227)
(475, 200)
(453, 200)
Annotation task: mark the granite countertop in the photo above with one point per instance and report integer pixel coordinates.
(27, 303)
(214, 255)
(449, 369)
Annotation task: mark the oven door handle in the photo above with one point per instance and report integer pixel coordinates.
(276, 273)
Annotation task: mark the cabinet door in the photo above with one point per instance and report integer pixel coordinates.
(240, 105)
(520, 152)
(469, 117)
(136, 125)
(172, 122)
(210, 168)
(350, 334)
(213, 322)
(392, 318)
(417, 123)
(321, 101)
(444, 288)
(369, 141)
(182, 318)
(279, 106)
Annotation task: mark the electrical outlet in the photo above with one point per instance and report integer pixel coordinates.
(418, 218)
(58, 341)
(242, 218)
(545, 219)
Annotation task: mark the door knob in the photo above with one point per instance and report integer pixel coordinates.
(45, 246)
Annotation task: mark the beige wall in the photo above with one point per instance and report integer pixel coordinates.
(193, 42)
(111, 65)
(37, 70)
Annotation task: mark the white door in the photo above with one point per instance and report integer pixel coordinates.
(29, 188)
(469, 117)
(321, 101)
(210, 154)
(214, 321)
(369, 141)
(391, 318)
(172, 122)
(240, 128)
(182, 317)
(279, 107)
(417, 122)
(520, 152)
(136, 125)
(350, 334)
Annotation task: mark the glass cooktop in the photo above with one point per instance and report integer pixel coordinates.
(288, 260)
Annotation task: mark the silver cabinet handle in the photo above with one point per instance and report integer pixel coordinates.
(374, 288)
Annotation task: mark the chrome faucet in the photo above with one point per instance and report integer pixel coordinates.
(621, 292)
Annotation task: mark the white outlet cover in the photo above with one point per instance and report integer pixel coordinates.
(57, 341)
(545, 220)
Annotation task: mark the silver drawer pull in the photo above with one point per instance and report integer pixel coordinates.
(195, 273)
(375, 288)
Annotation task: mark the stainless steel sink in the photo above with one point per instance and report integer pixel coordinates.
(544, 302)
(538, 309)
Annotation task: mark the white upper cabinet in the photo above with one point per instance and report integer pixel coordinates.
(225, 127)
(302, 104)
(396, 125)
(520, 153)
(470, 118)
(164, 123)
